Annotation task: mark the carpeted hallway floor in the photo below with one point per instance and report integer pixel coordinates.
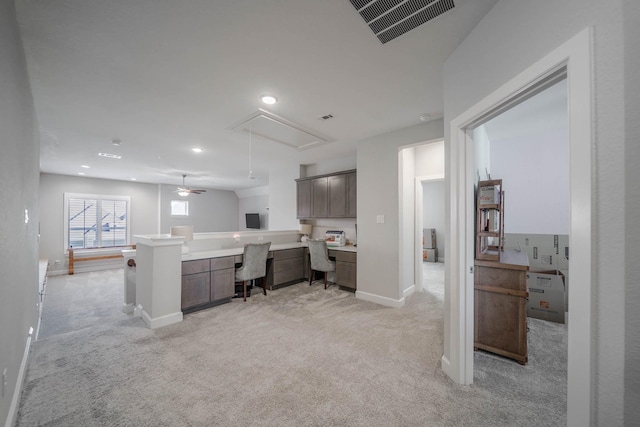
(299, 356)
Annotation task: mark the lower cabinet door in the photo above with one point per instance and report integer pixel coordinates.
(346, 274)
(222, 284)
(195, 289)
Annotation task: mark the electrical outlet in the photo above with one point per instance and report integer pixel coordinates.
(57, 261)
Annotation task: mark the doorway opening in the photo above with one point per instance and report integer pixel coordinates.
(572, 59)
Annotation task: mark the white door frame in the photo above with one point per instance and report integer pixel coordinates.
(457, 362)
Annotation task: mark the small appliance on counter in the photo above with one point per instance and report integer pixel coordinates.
(335, 238)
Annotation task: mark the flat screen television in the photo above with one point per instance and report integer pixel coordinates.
(253, 220)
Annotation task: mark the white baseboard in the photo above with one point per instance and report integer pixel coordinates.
(407, 292)
(389, 302)
(128, 308)
(158, 322)
(446, 366)
(17, 392)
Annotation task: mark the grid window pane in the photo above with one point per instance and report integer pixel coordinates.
(96, 223)
(114, 223)
(83, 231)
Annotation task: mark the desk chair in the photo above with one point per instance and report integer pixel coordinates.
(319, 256)
(254, 265)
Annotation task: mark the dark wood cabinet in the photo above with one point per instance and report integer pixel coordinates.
(500, 305)
(352, 201)
(319, 192)
(337, 196)
(288, 267)
(207, 282)
(195, 289)
(304, 198)
(346, 268)
(327, 196)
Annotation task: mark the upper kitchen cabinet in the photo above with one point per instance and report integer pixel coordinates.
(327, 196)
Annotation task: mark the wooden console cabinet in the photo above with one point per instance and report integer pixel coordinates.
(500, 305)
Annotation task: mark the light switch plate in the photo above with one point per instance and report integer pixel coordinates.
(380, 219)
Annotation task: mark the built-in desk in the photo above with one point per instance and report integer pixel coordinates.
(208, 277)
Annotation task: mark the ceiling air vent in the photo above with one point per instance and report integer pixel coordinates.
(389, 19)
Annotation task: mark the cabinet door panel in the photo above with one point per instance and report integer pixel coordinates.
(222, 284)
(337, 197)
(195, 289)
(352, 199)
(304, 198)
(346, 274)
(319, 197)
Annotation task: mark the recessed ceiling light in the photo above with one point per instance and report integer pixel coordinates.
(85, 166)
(110, 156)
(269, 99)
(81, 173)
(197, 150)
(116, 142)
(134, 179)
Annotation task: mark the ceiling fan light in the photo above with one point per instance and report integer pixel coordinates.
(183, 193)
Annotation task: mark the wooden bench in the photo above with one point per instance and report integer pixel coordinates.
(73, 259)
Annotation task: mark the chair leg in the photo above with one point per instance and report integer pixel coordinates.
(264, 285)
(310, 276)
(244, 285)
(325, 280)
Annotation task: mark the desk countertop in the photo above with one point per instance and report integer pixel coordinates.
(217, 253)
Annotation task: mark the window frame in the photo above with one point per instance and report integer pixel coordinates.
(99, 198)
(186, 202)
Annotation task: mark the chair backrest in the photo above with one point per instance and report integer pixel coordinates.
(254, 262)
(319, 255)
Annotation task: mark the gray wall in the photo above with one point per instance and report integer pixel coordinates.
(259, 204)
(378, 194)
(214, 210)
(19, 165)
(143, 209)
(632, 185)
(512, 36)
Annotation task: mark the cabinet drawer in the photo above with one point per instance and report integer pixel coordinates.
(499, 277)
(288, 275)
(288, 253)
(288, 264)
(222, 263)
(195, 266)
(345, 256)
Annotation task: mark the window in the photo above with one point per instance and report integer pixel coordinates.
(179, 208)
(95, 221)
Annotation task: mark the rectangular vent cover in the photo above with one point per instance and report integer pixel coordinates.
(389, 19)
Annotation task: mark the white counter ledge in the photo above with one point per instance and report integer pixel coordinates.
(217, 253)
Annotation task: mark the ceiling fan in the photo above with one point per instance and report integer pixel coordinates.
(184, 191)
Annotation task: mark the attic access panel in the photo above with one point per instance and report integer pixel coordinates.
(275, 128)
(389, 19)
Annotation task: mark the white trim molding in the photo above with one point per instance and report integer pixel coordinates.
(17, 392)
(389, 302)
(457, 362)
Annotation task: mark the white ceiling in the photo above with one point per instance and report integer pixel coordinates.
(164, 76)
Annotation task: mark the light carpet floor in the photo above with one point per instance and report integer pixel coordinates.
(300, 356)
